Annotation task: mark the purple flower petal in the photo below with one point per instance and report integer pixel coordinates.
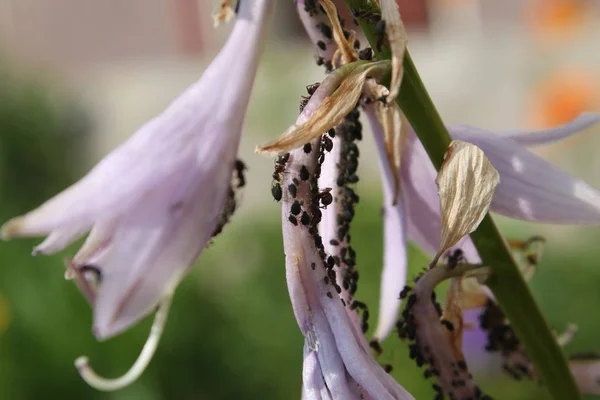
(393, 275)
(547, 136)
(419, 192)
(158, 243)
(531, 188)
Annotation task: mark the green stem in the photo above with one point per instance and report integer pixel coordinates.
(506, 281)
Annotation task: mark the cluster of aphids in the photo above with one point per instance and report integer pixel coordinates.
(407, 329)
(376, 346)
(372, 18)
(311, 89)
(349, 132)
(238, 181)
(502, 338)
(313, 9)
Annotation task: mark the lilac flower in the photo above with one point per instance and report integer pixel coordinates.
(151, 205)
(530, 189)
(337, 361)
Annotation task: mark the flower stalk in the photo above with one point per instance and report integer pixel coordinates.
(505, 281)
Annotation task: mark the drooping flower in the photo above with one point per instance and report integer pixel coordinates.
(530, 189)
(152, 205)
(338, 363)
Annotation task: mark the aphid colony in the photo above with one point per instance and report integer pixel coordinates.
(429, 346)
(306, 212)
(313, 9)
(502, 338)
(238, 181)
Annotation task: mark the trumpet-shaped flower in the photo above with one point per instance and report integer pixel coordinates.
(530, 189)
(151, 205)
(338, 363)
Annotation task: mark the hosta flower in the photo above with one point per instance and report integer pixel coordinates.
(151, 205)
(530, 189)
(338, 363)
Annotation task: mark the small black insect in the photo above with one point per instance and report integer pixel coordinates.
(276, 191)
(326, 197)
(293, 220)
(405, 292)
(330, 262)
(331, 133)
(240, 167)
(321, 44)
(305, 219)
(293, 189)
(366, 54)
(455, 258)
(326, 30)
(307, 148)
(352, 178)
(304, 174)
(318, 242)
(448, 325)
(296, 208)
(311, 89)
(303, 103)
(283, 158)
(374, 344)
(327, 143)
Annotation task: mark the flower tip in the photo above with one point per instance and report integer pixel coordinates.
(38, 250)
(81, 363)
(12, 228)
(266, 151)
(103, 332)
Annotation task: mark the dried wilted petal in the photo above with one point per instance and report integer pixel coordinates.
(397, 38)
(390, 119)
(223, 13)
(473, 294)
(466, 183)
(394, 125)
(345, 46)
(332, 101)
(453, 314)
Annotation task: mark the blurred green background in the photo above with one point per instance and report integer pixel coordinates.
(231, 332)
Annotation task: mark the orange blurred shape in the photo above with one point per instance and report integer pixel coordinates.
(551, 17)
(562, 97)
